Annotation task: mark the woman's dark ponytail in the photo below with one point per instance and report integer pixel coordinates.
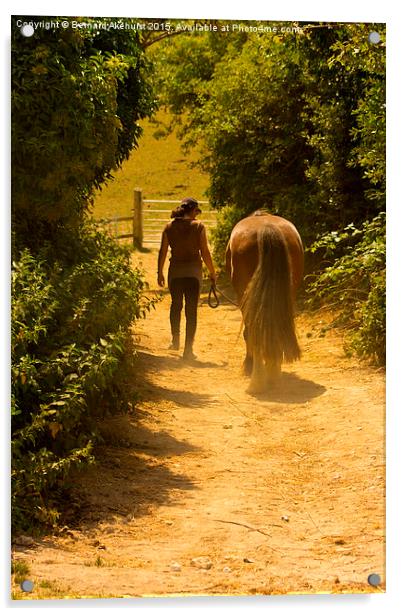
(186, 206)
(178, 212)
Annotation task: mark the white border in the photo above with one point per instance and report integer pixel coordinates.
(338, 10)
(341, 10)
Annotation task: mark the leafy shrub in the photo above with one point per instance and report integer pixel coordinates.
(70, 326)
(77, 96)
(354, 285)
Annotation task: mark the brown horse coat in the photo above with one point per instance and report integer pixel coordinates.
(242, 250)
(264, 259)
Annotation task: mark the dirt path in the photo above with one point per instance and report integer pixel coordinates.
(278, 494)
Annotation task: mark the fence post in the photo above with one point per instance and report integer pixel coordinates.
(137, 219)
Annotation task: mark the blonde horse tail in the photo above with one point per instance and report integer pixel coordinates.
(267, 304)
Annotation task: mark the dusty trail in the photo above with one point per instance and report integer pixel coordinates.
(281, 493)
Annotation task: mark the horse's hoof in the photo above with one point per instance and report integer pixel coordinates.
(255, 390)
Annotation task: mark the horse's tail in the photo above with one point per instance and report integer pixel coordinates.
(267, 304)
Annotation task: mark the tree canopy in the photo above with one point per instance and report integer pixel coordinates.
(295, 123)
(77, 95)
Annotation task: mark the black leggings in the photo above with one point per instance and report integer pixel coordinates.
(190, 289)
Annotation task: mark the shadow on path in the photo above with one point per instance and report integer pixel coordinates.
(156, 363)
(186, 394)
(131, 475)
(292, 389)
(181, 397)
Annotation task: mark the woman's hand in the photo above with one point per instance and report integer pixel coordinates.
(161, 280)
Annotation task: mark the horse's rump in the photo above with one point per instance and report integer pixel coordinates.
(243, 254)
(266, 265)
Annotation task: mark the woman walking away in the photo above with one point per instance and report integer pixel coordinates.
(188, 243)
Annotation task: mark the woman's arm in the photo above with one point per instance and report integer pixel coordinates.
(206, 254)
(162, 258)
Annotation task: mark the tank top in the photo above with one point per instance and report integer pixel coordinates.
(184, 237)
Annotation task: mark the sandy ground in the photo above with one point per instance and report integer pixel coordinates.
(205, 490)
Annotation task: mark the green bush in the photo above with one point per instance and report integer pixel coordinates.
(354, 286)
(70, 326)
(77, 97)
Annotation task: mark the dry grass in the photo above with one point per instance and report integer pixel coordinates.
(159, 167)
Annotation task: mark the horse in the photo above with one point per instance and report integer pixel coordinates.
(265, 260)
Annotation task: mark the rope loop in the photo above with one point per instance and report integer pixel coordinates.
(213, 299)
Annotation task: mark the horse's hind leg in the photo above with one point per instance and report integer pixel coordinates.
(273, 371)
(248, 365)
(248, 360)
(258, 381)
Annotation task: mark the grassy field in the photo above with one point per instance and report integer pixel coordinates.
(159, 168)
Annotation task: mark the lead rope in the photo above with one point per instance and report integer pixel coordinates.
(213, 303)
(213, 299)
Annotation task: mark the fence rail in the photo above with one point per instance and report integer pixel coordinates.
(145, 228)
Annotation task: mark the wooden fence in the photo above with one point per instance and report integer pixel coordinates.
(149, 217)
